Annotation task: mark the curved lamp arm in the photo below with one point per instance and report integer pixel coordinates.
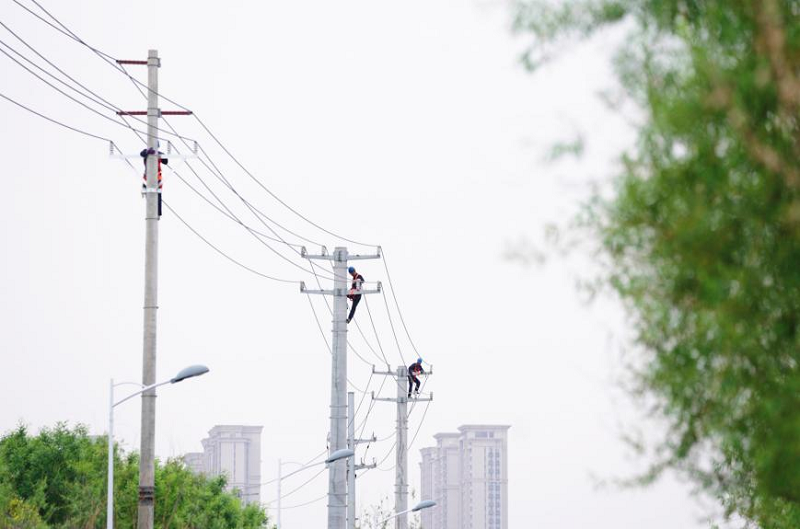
(183, 374)
(424, 504)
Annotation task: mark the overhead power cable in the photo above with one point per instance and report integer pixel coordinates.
(309, 480)
(108, 58)
(306, 503)
(94, 97)
(225, 255)
(51, 120)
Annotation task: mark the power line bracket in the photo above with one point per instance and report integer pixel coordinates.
(340, 291)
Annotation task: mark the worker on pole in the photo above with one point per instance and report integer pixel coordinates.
(353, 294)
(144, 154)
(414, 370)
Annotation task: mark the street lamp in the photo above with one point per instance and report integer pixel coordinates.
(335, 456)
(424, 504)
(183, 374)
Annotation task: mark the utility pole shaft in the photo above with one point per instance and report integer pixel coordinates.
(147, 448)
(401, 441)
(337, 484)
(401, 462)
(110, 480)
(337, 473)
(351, 461)
(152, 214)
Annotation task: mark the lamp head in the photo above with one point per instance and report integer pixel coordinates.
(189, 372)
(340, 454)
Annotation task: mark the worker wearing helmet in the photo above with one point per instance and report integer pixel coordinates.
(149, 152)
(353, 295)
(414, 370)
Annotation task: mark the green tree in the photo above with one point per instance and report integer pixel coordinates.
(702, 235)
(57, 479)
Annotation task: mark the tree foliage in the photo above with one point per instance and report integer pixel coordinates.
(703, 232)
(57, 479)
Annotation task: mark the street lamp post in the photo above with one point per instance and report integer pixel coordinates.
(280, 478)
(189, 372)
(336, 456)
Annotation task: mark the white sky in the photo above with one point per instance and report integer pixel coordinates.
(412, 126)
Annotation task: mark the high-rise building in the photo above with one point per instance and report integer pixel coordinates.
(466, 474)
(233, 451)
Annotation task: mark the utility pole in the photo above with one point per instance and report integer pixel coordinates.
(352, 442)
(401, 441)
(337, 473)
(148, 426)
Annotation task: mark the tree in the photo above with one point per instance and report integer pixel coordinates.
(702, 235)
(380, 515)
(57, 479)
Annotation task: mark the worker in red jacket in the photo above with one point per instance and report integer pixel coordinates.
(144, 154)
(353, 295)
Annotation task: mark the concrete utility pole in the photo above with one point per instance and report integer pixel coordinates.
(148, 439)
(352, 442)
(401, 442)
(147, 447)
(337, 476)
(351, 462)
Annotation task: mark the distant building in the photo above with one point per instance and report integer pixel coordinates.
(195, 461)
(466, 474)
(233, 451)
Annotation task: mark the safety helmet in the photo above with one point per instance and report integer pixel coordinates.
(419, 360)
(351, 270)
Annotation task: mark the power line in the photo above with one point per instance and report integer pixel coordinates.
(138, 132)
(391, 324)
(74, 129)
(69, 33)
(51, 85)
(309, 480)
(226, 256)
(97, 99)
(233, 218)
(399, 312)
(306, 503)
(72, 35)
(325, 339)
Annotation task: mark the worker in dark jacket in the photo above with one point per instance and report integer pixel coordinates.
(144, 154)
(353, 295)
(414, 370)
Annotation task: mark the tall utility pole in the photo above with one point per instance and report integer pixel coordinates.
(147, 457)
(352, 442)
(401, 441)
(148, 434)
(337, 474)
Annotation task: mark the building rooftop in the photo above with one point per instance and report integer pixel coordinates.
(235, 428)
(467, 427)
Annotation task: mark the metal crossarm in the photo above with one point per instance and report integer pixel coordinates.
(341, 291)
(362, 466)
(115, 153)
(333, 257)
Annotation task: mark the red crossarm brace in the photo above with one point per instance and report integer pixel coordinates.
(163, 112)
(121, 61)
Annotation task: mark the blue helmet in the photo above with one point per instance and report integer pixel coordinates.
(351, 270)
(419, 360)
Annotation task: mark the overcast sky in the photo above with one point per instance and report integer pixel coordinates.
(409, 125)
